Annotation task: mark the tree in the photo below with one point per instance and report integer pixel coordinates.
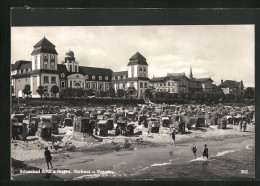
(120, 93)
(148, 94)
(79, 92)
(111, 92)
(249, 93)
(27, 90)
(102, 93)
(89, 92)
(55, 89)
(40, 90)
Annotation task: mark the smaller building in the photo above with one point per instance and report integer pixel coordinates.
(232, 87)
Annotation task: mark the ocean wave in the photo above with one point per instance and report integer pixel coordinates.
(225, 152)
(199, 159)
(159, 164)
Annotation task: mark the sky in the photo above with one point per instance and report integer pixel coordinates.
(218, 51)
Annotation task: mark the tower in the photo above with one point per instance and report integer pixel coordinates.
(70, 63)
(191, 75)
(137, 66)
(44, 55)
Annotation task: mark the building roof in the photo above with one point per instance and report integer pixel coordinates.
(138, 78)
(95, 71)
(121, 73)
(155, 79)
(203, 79)
(21, 64)
(63, 69)
(231, 84)
(44, 46)
(44, 42)
(137, 59)
(47, 71)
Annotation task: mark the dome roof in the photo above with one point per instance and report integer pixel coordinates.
(70, 53)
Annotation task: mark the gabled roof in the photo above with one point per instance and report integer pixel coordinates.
(137, 59)
(230, 84)
(44, 46)
(95, 71)
(203, 79)
(44, 42)
(21, 64)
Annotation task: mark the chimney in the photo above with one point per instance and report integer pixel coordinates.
(221, 81)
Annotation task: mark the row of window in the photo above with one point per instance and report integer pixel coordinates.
(141, 85)
(52, 67)
(45, 56)
(46, 79)
(24, 70)
(94, 77)
(119, 77)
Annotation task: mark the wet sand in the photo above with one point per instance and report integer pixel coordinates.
(127, 164)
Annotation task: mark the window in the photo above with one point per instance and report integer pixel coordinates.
(107, 85)
(164, 84)
(123, 85)
(94, 86)
(124, 77)
(145, 85)
(29, 69)
(70, 83)
(93, 77)
(45, 65)
(113, 78)
(131, 84)
(62, 75)
(53, 79)
(26, 80)
(62, 84)
(76, 68)
(141, 85)
(52, 57)
(70, 68)
(87, 85)
(106, 78)
(35, 62)
(119, 77)
(132, 71)
(46, 79)
(141, 69)
(45, 56)
(169, 83)
(52, 65)
(86, 76)
(26, 70)
(100, 86)
(144, 69)
(100, 77)
(160, 84)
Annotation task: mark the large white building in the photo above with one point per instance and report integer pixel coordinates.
(44, 70)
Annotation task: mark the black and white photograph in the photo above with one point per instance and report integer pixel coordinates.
(132, 102)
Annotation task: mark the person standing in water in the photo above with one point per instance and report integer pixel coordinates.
(48, 157)
(194, 150)
(173, 137)
(205, 152)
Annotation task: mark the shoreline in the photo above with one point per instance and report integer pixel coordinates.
(66, 156)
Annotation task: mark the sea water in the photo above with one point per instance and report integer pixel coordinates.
(234, 163)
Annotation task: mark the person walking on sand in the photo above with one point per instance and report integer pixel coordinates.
(194, 150)
(205, 152)
(48, 157)
(244, 125)
(173, 137)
